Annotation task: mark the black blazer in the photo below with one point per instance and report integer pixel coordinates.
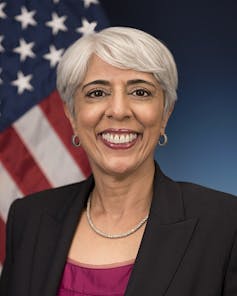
(189, 246)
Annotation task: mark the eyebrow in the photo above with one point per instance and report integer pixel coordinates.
(107, 83)
(137, 81)
(95, 82)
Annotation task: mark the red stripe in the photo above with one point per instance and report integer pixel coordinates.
(2, 240)
(52, 106)
(19, 163)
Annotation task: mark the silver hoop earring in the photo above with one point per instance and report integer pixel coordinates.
(163, 140)
(76, 141)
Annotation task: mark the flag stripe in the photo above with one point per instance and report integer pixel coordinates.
(53, 109)
(8, 192)
(47, 149)
(19, 163)
(35, 137)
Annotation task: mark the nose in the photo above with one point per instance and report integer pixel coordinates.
(119, 107)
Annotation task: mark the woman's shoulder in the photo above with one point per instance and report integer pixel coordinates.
(198, 196)
(50, 198)
(200, 191)
(207, 201)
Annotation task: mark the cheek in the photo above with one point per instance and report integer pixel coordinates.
(87, 117)
(151, 117)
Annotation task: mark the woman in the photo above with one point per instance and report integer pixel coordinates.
(128, 229)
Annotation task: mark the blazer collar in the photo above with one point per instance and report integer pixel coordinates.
(54, 239)
(165, 240)
(167, 203)
(163, 245)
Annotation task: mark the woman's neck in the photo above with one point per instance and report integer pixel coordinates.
(116, 197)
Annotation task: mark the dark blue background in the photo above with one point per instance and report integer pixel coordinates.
(203, 129)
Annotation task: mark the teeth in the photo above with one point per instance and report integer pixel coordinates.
(118, 138)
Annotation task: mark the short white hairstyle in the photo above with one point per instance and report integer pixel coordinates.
(124, 48)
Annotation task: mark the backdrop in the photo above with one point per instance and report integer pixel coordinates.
(203, 129)
(35, 137)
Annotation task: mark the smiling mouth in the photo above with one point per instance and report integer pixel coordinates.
(119, 139)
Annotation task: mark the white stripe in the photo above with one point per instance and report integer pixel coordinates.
(8, 192)
(47, 148)
(0, 268)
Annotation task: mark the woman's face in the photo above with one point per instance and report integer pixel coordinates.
(119, 116)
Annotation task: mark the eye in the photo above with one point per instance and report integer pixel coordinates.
(140, 92)
(96, 93)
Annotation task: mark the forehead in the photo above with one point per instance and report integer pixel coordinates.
(99, 69)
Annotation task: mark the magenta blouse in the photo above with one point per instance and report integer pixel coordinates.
(94, 280)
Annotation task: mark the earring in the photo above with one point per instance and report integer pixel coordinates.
(163, 140)
(76, 141)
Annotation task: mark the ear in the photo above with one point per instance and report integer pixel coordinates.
(165, 119)
(70, 117)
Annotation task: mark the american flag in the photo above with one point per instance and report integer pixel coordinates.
(35, 137)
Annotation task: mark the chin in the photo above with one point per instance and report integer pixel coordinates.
(120, 167)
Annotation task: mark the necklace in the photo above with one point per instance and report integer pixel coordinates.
(108, 235)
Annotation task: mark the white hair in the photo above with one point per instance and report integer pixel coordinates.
(124, 48)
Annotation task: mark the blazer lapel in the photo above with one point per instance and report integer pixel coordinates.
(165, 241)
(54, 240)
(163, 246)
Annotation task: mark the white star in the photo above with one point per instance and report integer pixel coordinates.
(56, 1)
(1, 47)
(0, 77)
(26, 18)
(57, 23)
(54, 55)
(25, 50)
(2, 13)
(86, 27)
(87, 3)
(22, 83)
